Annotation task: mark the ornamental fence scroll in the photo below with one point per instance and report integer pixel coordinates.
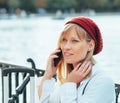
(11, 77)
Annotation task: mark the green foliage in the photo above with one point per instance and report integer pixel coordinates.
(116, 3)
(61, 4)
(54, 5)
(40, 3)
(14, 3)
(28, 5)
(97, 5)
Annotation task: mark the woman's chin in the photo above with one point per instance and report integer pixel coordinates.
(69, 62)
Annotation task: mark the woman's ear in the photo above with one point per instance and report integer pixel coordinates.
(91, 45)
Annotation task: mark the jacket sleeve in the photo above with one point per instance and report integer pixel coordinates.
(47, 88)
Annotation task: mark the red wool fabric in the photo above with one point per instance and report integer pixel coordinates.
(93, 30)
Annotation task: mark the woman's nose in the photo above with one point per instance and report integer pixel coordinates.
(67, 45)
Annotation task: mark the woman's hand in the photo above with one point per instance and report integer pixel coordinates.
(79, 73)
(51, 69)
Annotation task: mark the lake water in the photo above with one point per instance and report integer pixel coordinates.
(36, 38)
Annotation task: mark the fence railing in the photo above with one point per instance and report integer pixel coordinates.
(19, 89)
(12, 73)
(28, 75)
(117, 90)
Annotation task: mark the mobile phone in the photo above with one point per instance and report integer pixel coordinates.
(56, 60)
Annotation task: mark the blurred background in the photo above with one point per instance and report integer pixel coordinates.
(28, 7)
(51, 6)
(30, 29)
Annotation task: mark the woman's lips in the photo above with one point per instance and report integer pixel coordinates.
(67, 54)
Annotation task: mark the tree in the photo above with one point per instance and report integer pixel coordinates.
(116, 5)
(97, 5)
(3, 4)
(13, 3)
(41, 3)
(54, 5)
(28, 6)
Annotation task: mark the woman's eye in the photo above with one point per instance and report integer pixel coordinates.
(64, 40)
(74, 41)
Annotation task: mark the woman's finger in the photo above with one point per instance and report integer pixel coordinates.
(88, 69)
(83, 66)
(78, 66)
(86, 66)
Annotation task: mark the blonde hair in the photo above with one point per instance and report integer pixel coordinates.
(64, 69)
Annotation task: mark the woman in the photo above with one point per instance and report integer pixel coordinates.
(79, 77)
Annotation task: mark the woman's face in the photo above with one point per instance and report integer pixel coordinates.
(73, 48)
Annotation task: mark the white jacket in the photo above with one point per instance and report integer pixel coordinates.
(98, 88)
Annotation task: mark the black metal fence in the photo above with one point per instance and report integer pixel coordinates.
(13, 73)
(19, 88)
(117, 90)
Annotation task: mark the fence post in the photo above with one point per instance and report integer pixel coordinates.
(21, 87)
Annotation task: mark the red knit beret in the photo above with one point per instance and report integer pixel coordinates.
(93, 30)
